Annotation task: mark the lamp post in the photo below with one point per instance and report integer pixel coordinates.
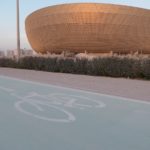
(18, 30)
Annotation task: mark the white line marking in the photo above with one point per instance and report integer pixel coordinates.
(59, 100)
(55, 101)
(6, 89)
(76, 101)
(78, 90)
(69, 117)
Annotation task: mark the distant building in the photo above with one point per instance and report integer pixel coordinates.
(94, 27)
(10, 53)
(25, 53)
(2, 54)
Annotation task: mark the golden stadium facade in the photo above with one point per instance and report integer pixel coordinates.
(91, 27)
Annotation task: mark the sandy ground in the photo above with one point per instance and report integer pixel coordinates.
(135, 89)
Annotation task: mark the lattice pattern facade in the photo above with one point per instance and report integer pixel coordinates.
(92, 27)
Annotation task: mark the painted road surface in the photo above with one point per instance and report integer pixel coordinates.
(36, 116)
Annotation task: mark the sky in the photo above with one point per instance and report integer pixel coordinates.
(8, 17)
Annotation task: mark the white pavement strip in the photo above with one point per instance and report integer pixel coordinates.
(57, 101)
(69, 117)
(6, 89)
(78, 90)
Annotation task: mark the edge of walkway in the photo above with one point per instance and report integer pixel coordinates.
(122, 87)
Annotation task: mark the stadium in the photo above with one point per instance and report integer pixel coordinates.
(90, 27)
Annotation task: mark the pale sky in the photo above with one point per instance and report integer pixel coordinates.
(8, 16)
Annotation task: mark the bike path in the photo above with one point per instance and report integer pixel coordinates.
(36, 116)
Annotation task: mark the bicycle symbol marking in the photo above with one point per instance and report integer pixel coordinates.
(58, 102)
(37, 105)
